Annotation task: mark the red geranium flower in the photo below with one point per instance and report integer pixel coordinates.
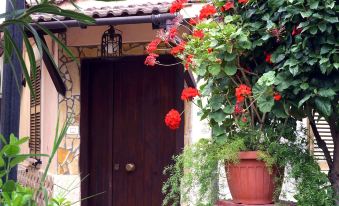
(277, 96)
(244, 119)
(173, 119)
(151, 59)
(189, 93)
(198, 33)
(242, 91)
(189, 61)
(178, 49)
(177, 6)
(229, 5)
(243, 1)
(207, 11)
(209, 50)
(268, 58)
(296, 31)
(153, 45)
(193, 21)
(238, 109)
(172, 33)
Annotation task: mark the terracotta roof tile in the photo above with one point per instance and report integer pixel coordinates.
(101, 9)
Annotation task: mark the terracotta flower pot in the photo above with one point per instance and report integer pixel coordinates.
(250, 181)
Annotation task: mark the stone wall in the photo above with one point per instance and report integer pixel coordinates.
(69, 105)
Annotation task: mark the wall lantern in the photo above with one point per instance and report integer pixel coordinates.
(111, 43)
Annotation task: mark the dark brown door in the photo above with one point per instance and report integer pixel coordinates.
(124, 142)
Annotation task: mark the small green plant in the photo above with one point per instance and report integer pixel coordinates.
(59, 201)
(194, 170)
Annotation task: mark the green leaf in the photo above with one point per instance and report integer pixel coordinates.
(279, 111)
(214, 69)
(3, 140)
(16, 161)
(265, 103)
(303, 100)
(216, 102)
(325, 49)
(304, 86)
(230, 70)
(306, 14)
(2, 162)
(294, 70)
(229, 56)
(10, 150)
(22, 140)
(275, 3)
(20, 58)
(326, 92)
(218, 116)
(229, 109)
(60, 43)
(322, 26)
(314, 4)
(323, 106)
(12, 139)
(31, 57)
(9, 186)
(267, 79)
(331, 19)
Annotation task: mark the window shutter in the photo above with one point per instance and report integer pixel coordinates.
(35, 114)
(325, 133)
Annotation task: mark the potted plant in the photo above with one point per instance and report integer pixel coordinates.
(230, 47)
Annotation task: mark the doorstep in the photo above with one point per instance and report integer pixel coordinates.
(230, 203)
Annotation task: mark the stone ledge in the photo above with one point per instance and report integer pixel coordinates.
(230, 203)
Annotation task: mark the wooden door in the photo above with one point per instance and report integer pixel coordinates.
(123, 104)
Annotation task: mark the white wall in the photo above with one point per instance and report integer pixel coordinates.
(2, 7)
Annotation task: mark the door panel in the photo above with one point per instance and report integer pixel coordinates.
(123, 106)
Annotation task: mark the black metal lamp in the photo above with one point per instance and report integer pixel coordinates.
(111, 43)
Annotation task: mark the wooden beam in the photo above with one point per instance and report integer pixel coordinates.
(189, 79)
(54, 31)
(52, 70)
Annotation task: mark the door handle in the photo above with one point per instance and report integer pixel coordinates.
(130, 167)
(116, 167)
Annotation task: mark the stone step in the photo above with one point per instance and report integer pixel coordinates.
(230, 203)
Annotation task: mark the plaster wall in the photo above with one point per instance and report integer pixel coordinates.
(48, 107)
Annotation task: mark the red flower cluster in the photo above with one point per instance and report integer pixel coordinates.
(242, 1)
(193, 21)
(189, 93)
(189, 61)
(153, 45)
(172, 33)
(177, 6)
(178, 49)
(209, 50)
(151, 59)
(173, 119)
(238, 109)
(229, 5)
(207, 11)
(242, 91)
(296, 31)
(277, 96)
(268, 58)
(198, 34)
